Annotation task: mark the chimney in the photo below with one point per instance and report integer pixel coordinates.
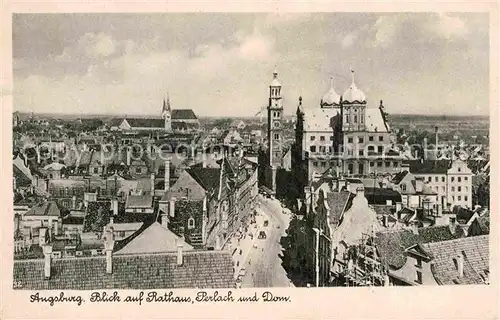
(452, 225)
(164, 220)
(152, 184)
(111, 220)
(114, 204)
(399, 206)
(47, 252)
(386, 221)
(360, 191)
(73, 202)
(179, 252)
(439, 210)
(167, 175)
(42, 236)
(419, 185)
(414, 228)
(56, 227)
(129, 156)
(47, 185)
(171, 207)
(460, 264)
(204, 159)
(437, 138)
(109, 243)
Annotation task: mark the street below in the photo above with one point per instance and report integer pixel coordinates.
(263, 264)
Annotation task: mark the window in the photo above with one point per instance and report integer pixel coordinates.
(351, 167)
(442, 179)
(387, 164)
(370, 138)
(276, 136)
(466, 178)
(429, 179)
(138, 170)
(349, 140)
(466, 189)
(330, 149)
(371, 148)
(452, 179)
(323, 164)
(190, 223)
(360, 140)
(452, 189)
(313, 148)
(459, 198)
(403, 187)
(372, 164)
(379, 164)
(322, 138)
(419, 263)
(419, 277)
(278, 114)
(322, 149)
(381, 138)
(361, 153)
(355, 119)
(459, 169)
(380, 149)
(459, 189)
(452, 198)
(443, 189)
(313, 138)
(436, 179)
(466, 198)
(395, 164)
(331, 138)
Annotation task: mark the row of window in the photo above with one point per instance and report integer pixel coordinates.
(371, 150)
(459, 189)
(321, 138)
(379, 164)
(276, 114)
(436, 179)
(355, 119)
(362, 139)
(459, 198)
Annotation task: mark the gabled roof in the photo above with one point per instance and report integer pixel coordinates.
(200, 269)
(338, 202)
(208, 178)
(183, 114)
(475, 251)
(154, 239)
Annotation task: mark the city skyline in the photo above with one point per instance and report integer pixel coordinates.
(222, 64)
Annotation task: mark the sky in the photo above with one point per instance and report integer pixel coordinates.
(222, 64)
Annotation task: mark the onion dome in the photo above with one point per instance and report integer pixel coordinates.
(353, 94)
(331, 98)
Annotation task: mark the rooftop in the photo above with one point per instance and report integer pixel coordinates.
(200, 269)
(475, 251)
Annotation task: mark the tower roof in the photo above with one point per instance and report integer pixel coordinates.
(353, 94)
(166, 105)
(331, 97)
(275, 82)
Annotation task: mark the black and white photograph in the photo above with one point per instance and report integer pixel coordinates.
(204, 150)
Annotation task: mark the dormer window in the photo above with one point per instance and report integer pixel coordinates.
(191, 223)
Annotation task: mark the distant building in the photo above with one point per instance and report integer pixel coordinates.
(451, 180)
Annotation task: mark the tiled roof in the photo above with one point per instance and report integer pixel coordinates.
(48, 208)
(146, 123)
(200, 269)
(208, 178)
(153, 239)
(428, 166)
(382, 209)
(463, 215)
(381, 195)
(22, 180)
(181, 125)
(375, 121)
(476, 260)
(320, 119)
(399, 177)
(143, 201)
(337, 201)
(391, 245)
(183, 114)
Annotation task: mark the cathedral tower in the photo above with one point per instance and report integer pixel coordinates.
(166, 114)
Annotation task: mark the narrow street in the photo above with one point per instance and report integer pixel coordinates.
(263, 264)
